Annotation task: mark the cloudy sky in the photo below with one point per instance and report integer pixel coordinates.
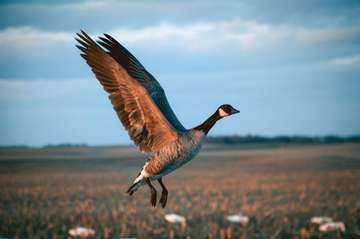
(291, 67)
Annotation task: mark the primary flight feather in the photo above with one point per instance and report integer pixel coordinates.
(141, 105)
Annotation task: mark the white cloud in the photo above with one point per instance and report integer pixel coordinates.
(199, 36)
(205, 36)
(237, 33)
(353, 60)
(326, 34)
(28, 37)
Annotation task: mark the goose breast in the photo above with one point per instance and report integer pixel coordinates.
(176, 154)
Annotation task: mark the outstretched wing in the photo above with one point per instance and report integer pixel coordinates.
(137, 71)
(141, 117)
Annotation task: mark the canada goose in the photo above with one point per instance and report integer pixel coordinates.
(143, 109)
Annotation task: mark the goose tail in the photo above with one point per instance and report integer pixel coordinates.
(138, 182)
(133, 188)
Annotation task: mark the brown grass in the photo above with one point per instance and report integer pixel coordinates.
(44, 193)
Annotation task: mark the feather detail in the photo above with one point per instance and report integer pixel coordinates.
(141, 117)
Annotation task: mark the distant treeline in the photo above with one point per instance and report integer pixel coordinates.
(238, 139)
(65, 145)
(62, 145)
(256, 139)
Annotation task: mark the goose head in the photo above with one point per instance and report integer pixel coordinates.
(226, 110)
(221, 112)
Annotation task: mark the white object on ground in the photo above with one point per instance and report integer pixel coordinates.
(332, 226)
(81, 232)
(174, 218)
(321, 220)
(238, 218)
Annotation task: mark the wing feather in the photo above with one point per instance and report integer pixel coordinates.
(136, 70)
(141, 117)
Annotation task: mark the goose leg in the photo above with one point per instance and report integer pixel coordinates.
(153, 192)
(164, 193)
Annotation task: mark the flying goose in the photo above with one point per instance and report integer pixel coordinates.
(142, 107)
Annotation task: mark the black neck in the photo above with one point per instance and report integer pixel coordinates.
(209, 123)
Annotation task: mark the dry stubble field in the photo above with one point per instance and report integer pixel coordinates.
(45, 192)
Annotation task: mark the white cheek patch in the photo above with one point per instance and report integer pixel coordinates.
(222, 113)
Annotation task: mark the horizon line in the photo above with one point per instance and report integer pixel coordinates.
(266, 139)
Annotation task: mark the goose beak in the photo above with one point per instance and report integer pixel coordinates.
(234, 111)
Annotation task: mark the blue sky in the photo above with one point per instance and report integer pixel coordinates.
(290, 67)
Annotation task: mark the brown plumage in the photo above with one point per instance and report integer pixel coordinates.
(141, 105)
(142, 119)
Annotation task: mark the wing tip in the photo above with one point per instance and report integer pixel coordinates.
(84, 39)
(109, 37)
